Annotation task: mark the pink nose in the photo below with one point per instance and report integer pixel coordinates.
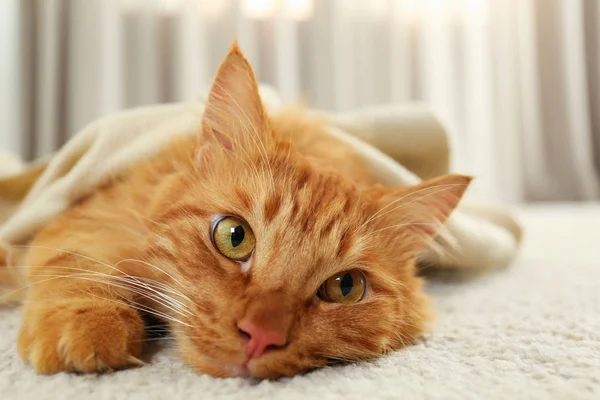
(260, 339)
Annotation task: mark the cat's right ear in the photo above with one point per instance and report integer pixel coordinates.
(234, 114)
(415, 213)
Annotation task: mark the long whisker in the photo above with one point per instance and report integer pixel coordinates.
(148, 285)
(147, 281)
(155, 339)
(148, 265)
(113, 267)
(130, 303)
(175, 308)
(381, 212)
(164, 288)
(134, 286)
(402, 225)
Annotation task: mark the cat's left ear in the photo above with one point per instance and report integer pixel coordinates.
(420, 209)
(234, 114)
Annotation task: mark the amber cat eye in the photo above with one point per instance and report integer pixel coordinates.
(346, 287)
(233, 238)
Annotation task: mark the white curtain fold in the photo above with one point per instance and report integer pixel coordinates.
(516, 82)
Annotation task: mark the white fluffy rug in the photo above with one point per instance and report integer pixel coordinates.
(531, 331)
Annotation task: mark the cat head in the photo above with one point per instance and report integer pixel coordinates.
(285, 265)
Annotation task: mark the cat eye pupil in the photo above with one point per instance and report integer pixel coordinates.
(346, 287)
(346, 284)
(237, 235)
(233, 238)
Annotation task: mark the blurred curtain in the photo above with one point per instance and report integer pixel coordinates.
(517, 82)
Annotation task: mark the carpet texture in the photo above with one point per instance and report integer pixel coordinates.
(531, 331)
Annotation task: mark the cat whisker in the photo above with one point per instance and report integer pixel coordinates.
(135, 282)
(381, 212)
(135, 305)
(161, 298)
(161, 294)
(157, 328)
(76, 254)
(158, 339)
(149, 310)
(113, 267)
(172, 302)
(339, 360)
(147, 295)
(147, 283)
(148, 265)
(164, 287)
(138, 306)
(403, 225)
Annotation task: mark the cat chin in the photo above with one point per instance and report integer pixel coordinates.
(258, 369)
(223, 370)
(240, 371)
(205, 366)
(248, 369)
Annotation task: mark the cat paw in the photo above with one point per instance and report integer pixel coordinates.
(81, 336)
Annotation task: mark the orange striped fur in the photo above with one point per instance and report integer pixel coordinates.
(99, 267)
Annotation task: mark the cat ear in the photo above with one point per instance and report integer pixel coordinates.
(420, 209)
(234, 113)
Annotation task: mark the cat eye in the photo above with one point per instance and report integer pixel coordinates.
(233, 238)
(347, 287)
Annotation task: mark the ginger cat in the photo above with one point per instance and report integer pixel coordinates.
(262, 244)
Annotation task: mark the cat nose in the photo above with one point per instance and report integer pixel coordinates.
(260, 339)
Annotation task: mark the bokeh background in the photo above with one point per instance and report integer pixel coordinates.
(516, 82)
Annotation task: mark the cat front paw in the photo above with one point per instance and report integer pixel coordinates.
(81, 336)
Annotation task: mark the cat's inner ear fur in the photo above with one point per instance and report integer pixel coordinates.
(421, 209)
(234, 114)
